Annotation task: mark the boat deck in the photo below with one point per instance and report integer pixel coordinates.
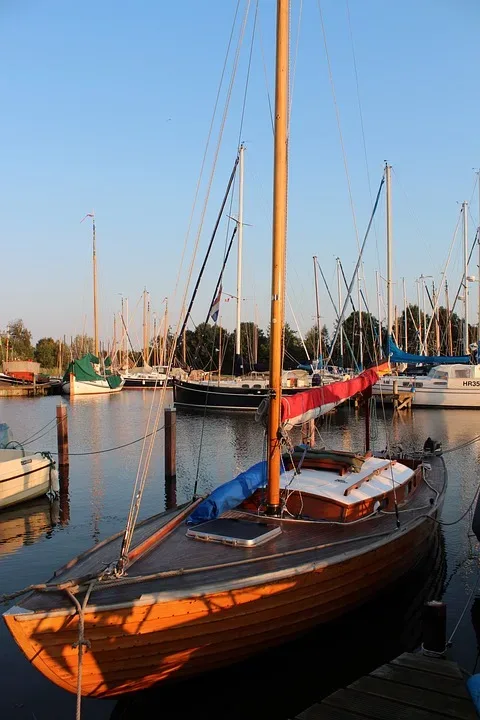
(412, 686)
(178, 564)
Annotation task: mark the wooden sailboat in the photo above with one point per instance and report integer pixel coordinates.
(83, 376)
(252, 566)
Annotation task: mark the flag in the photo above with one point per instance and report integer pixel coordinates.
(215, 308)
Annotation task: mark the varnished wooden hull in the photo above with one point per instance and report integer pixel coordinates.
(168, 635)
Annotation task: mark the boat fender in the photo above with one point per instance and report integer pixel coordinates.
(473, 685)
(54, 482)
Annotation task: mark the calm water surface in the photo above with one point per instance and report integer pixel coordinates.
(39, 537)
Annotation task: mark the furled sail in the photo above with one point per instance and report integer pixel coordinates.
(399, 356)
(310, 404)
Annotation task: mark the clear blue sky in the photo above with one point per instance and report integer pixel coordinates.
(106, 107)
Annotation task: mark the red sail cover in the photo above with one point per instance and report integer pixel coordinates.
(312, 403)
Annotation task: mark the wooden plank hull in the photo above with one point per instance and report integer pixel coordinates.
(165, 635)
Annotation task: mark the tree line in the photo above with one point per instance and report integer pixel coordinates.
(210, 347)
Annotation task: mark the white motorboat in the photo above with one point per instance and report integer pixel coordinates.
(448, 386)
(23, 476)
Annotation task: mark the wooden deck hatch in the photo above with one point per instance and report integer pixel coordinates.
(232, 531)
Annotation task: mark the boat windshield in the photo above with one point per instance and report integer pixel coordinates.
(438, 374)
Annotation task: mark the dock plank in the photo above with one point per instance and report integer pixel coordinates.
(454, 707)
(436, 666)
(375, 707)
(328, 712)
(422, 679)
(410, 687)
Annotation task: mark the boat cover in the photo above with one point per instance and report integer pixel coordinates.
(399, 356)
(5, 435)
(83, 369)
(310, 404)
(230, 494)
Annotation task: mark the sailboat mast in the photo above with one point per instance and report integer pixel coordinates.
(339, 288)
(238, 339)
(478, 274)
(379, 312)
(405, 329)
(95, 293)
(318, 349)
(389, 249)
(465, 275)
(449, 322)
(277, 316)
(145, 348)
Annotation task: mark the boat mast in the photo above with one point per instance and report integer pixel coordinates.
(379, 312)
(465, 275)
(145, 341)
(339, 288)
(318, 349)
(478, 274)
(449, 321)
(95, 308)
(405, 316)
(277, 316)
(238, 339)
(389, 250)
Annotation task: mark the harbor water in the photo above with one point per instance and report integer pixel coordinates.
(38, 537)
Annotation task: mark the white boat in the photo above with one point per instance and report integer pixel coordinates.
(448, 386)
(82, 378)
(23, 476)
(88, 387)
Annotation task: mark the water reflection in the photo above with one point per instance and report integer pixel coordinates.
(309, 668)
(100, 487)
(25, 524)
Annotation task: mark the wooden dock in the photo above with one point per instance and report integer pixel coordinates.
(24, 390)
(411, 687)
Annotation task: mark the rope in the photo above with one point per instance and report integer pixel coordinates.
(31, 438)
(449, 641)
(81, 642)
(118, 447)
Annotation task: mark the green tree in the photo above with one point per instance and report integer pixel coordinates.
(311, 341)
(46, 352)
(20, 341)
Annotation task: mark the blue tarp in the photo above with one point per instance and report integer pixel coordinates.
(230, 494)
(399, 356)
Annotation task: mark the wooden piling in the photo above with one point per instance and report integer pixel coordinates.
(170, 443)
(434, 628)
(395, 394)
(62, 443)
(308, 433)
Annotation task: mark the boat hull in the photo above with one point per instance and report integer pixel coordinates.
(23, 478)
(133, 383)
(166, 635)
(218, 397)
(427, 393)
(94, 387)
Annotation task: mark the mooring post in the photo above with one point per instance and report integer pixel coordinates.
(62, 443)
(434, 628)
(308, 433)
(395, 394)
(170, 443)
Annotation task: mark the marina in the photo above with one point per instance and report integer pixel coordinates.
(283, 520)
(97, 506)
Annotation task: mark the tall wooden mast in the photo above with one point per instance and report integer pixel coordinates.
(280, 183)
(95, 289)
